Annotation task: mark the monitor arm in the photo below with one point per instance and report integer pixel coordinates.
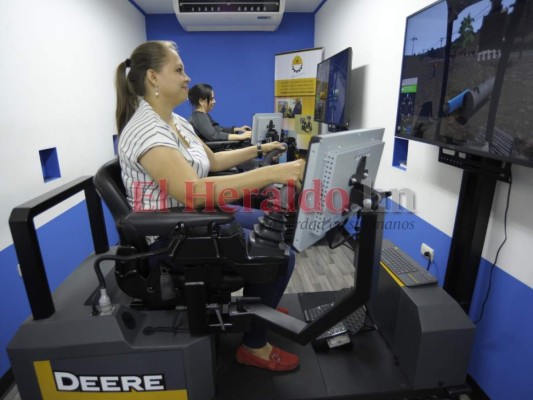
(366, 261)
(362, 195)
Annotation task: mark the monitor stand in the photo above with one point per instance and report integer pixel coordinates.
(336, 128)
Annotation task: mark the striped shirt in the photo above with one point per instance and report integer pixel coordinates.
(146, 130)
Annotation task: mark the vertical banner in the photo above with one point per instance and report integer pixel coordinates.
(295, 87)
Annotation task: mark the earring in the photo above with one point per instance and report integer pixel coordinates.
(156, 91)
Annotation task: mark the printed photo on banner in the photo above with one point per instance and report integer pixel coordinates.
(295, 88)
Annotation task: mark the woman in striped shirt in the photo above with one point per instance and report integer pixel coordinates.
(157, 146)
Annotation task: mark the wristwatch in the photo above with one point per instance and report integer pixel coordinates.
(259, 150)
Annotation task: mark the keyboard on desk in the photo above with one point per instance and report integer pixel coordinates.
(350, 324)
(408, 271)
(313, 313)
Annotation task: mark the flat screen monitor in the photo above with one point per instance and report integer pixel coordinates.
(466, 82)
(333, 90)
(262, 123)
(331, 161)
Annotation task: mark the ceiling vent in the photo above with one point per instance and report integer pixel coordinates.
(236, 15)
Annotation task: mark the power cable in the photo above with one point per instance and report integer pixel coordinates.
(497, 252)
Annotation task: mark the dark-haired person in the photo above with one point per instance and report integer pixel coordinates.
(155, 145)
(202, 98)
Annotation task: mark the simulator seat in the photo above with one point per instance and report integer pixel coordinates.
(210, 247)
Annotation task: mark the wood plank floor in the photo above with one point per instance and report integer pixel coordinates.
(320, 268)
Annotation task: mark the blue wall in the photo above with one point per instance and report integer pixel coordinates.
(65, 242)
(239, 65)
(15, 307)
(502, 357)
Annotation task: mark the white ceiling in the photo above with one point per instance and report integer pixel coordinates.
(165, 6)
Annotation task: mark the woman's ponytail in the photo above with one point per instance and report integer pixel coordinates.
(127, 101)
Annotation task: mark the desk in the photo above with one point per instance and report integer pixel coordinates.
(368, 369)
(73, 341)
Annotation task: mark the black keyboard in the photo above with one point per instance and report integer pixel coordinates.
(354, 321)
(313, 313)
(335, 330)
(351, 324)
(408, 271)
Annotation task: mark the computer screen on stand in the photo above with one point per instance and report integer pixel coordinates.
(263, 123)
(331, 161)
(338, 183)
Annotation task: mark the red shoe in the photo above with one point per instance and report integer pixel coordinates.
(283, 310)
(279, 360)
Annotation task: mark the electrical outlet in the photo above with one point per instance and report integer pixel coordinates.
(427, 252)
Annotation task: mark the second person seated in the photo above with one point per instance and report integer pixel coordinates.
(202, 98)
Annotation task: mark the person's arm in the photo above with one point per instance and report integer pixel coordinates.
(224, 160)
(246, 133)
(235, 132)
(168, 164)
(241, 136)
(210, 131)
(241, 128)
(204, 127)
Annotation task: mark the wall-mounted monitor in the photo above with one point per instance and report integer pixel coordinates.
(331, 161)
(333, 90)
(262, 123)
(466, 82)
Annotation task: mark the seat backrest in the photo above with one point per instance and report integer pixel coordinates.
(108, 183)
(110, 187)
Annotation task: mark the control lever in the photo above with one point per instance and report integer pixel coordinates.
(269, 158)
(286, 198)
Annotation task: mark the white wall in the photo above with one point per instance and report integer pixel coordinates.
(375, 31)
(57, 67)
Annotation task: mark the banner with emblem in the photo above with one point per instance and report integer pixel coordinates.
(295, 88)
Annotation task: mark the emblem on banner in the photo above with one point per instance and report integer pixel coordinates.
(297, 64)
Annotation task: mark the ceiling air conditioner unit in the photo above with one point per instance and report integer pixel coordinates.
(236, 15)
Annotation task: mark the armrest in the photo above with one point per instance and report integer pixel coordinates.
(162, 223)
(224, 145)
(230, 171)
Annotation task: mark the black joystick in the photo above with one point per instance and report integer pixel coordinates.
(269, 158)
(269, 230)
